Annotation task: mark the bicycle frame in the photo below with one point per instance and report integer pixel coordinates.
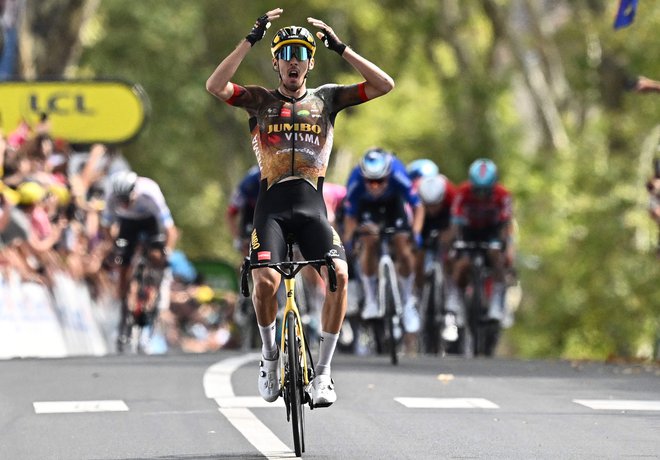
(138, 309)
(479, 272)
(289, 270)
(432, 297)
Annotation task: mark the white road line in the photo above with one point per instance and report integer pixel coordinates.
(619, 404)
(257, 433)
(67, 407)
(447, 403)
(217, 385)
(217, 378)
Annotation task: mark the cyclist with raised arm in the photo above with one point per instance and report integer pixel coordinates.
(482, 212)
(292, 130)
(437, 194)
(136, 211)
(378, 191)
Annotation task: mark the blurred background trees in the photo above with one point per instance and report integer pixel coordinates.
(538, 86)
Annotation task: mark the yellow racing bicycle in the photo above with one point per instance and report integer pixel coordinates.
(297, 366)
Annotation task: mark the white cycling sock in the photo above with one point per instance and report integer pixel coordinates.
(407, 287)
(268, 347)
(369, 283)
(326, 350)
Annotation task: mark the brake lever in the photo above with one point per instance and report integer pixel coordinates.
(245, 289)
(332, 273)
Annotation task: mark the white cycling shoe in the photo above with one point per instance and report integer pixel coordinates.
(371, 310)
(269, 379)
(450, 330)
(411, 320)
(323, 391)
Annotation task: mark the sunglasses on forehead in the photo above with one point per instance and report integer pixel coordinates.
(287, 52)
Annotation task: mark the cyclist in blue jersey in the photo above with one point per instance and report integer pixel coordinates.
(240, 211)
(421, 168)
(378, 191)
(292, 129)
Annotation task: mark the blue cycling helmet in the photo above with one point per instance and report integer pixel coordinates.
(483, 173)
(376, 164)
(422, 167)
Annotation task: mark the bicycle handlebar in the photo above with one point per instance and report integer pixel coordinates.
(382, 231)
(288, 269)
(461, 244)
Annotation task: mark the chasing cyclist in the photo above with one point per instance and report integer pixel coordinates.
(136, 211)
(482, 212)
(419, 169)
(240, 211)
(437, 194)
(292, 130)
(378, 191)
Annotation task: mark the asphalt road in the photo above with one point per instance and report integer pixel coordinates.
(206, 407)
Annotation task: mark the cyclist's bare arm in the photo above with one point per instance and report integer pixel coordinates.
(350, 225)
(418, 219)
(377, 81)
(172, 236)
(218, 83)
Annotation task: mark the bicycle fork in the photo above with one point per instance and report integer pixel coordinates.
(386, 267)
(289, 285)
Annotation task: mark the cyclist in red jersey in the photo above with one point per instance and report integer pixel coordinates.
(482, 211)
(292, 130)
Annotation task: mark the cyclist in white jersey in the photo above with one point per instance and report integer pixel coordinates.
(135, 211)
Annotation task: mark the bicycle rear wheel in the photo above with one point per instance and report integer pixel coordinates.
(294, 386)
(430, 331)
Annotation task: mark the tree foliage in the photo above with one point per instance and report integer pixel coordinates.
(537, 86)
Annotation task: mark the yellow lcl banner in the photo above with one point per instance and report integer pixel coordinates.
(79, 111)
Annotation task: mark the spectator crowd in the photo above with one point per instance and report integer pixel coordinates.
(51, 200)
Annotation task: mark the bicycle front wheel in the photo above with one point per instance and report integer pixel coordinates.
(391, 318)
(294, 385)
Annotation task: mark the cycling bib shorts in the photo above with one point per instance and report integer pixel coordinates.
(292, 207)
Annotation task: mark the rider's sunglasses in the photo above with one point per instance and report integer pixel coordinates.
(287, 52)
(375, 181)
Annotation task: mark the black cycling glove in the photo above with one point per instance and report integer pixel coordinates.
(259, 30)
(332, 43)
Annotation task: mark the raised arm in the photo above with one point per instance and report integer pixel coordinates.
(218, 83)
(646, 85)
(378, 82)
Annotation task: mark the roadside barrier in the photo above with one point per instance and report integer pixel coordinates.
(36, 321)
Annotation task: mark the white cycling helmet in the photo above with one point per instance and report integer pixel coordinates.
(422, 167)
(432, 189)
(123, 183)
(376, 164)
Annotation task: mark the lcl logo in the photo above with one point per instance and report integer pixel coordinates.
(60, 103)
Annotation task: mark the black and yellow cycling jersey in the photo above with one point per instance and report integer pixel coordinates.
(293, 137)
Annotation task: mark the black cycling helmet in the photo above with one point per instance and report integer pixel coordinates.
(293, 35)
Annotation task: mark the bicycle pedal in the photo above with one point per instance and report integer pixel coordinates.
(320, 406)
